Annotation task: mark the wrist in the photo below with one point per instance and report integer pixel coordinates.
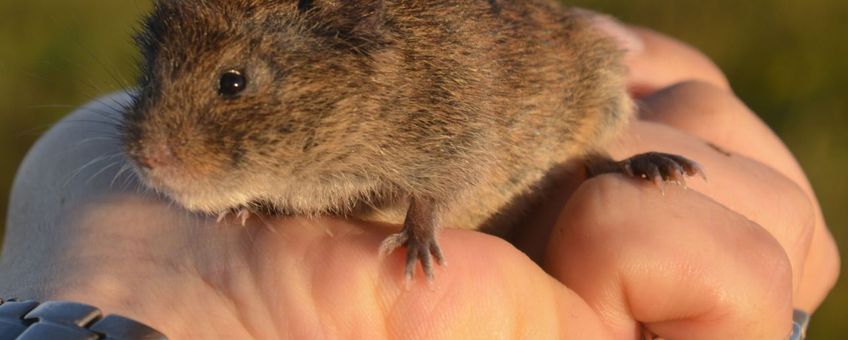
(67, 320)
(94, 255)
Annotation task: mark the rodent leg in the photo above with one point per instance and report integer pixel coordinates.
(651, 166)
(419, 237)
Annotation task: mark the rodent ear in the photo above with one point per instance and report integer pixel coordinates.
(358, 24)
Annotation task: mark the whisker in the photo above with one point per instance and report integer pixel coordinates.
(132, 179)
(76, 172)
(97, 138)
(102, 170)
(268, 226)
(126, 166)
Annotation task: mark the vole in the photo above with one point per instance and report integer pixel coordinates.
(420, 112)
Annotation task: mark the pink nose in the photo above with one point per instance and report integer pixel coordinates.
(156, 155)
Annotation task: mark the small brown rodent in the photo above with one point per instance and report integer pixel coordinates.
(425, 112)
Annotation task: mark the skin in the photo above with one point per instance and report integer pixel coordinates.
(727, 259)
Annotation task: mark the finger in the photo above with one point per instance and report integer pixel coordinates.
(665, 61)
(659, 62)
(489, 288)
(750, 188)
(655, 60)
(682, 264)
(821, 270)
(717, 116)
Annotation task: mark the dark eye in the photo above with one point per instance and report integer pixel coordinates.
(232, 83)
(304, 5)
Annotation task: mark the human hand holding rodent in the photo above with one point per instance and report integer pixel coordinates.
(680, 257)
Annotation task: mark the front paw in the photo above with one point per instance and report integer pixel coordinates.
(661, 167)
(418, 249)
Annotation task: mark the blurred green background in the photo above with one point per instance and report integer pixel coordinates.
(786, 59)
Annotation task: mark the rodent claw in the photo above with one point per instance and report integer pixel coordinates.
(423, 251)
(690, 167)
(391, 243)
(437, 253)
(242, 215)
(222, 216)
(660, 168)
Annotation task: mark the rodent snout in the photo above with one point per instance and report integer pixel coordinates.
(155, 155)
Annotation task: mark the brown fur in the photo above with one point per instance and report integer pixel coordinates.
(354, 106)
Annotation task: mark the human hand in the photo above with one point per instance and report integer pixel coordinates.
(687, 108)
(91, 240)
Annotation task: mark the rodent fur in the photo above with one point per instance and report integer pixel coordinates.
(352, 107)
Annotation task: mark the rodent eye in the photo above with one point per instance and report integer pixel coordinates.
(232, 82)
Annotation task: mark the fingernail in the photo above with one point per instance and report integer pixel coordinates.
(625, 37)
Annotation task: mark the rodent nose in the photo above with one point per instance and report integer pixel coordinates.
(156, 155)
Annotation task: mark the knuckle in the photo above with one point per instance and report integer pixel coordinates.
(769, 263)
(589, 217)
(797, 212)
(709, 98)
(696, 105)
